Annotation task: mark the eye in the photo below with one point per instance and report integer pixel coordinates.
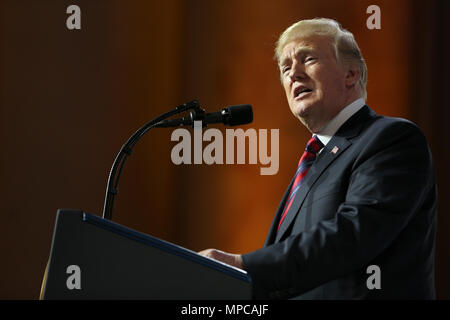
(285, 69)
(309, 59)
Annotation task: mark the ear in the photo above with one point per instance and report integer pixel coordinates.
(352, 76)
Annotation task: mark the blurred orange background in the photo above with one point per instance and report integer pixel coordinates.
(71, 98)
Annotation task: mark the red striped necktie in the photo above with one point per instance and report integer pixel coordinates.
(313, 146)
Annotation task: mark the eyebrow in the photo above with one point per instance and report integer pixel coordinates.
(298, 52)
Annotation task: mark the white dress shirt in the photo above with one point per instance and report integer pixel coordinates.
(332, 127)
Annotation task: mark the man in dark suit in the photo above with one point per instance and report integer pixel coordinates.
(362, 204)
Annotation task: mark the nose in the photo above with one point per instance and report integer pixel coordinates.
(297, 71)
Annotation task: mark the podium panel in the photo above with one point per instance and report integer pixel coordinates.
(94, 258)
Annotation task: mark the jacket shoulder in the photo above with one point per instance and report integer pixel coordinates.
(386, 126)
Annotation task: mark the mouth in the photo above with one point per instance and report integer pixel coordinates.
(301, 91)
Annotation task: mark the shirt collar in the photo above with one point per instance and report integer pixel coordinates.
(332, 127)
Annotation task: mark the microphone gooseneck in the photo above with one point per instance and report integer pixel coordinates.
(126, 150)
(232, 116)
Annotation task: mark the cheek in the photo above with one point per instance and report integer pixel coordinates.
(331, 86)
(286, 88)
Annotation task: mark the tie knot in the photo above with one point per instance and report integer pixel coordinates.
(314, 145)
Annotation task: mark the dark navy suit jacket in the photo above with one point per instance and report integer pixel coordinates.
(371, 202)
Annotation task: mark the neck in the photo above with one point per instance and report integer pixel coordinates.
(318, 127)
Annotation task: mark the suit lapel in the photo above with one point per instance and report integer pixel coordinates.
(325, 159)
(335, 147)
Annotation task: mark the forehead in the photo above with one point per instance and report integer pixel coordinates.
(320, 45)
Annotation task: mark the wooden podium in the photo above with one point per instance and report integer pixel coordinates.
(95, 258)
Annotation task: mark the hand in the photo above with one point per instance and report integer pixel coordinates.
(234, 260)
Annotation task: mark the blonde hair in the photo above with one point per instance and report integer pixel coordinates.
(345, 46)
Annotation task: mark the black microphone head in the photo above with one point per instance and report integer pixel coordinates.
(240, 114)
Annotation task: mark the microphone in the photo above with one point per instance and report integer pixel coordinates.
(231, 116)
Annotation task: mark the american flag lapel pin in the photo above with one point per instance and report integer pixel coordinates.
(335, 150)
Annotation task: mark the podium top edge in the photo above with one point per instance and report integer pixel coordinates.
(160, 244)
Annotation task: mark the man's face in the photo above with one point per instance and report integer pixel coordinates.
(313, 79)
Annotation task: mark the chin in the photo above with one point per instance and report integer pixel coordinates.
(306, 116)
(301, 111)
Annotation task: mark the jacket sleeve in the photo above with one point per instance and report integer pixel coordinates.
(390, 177)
